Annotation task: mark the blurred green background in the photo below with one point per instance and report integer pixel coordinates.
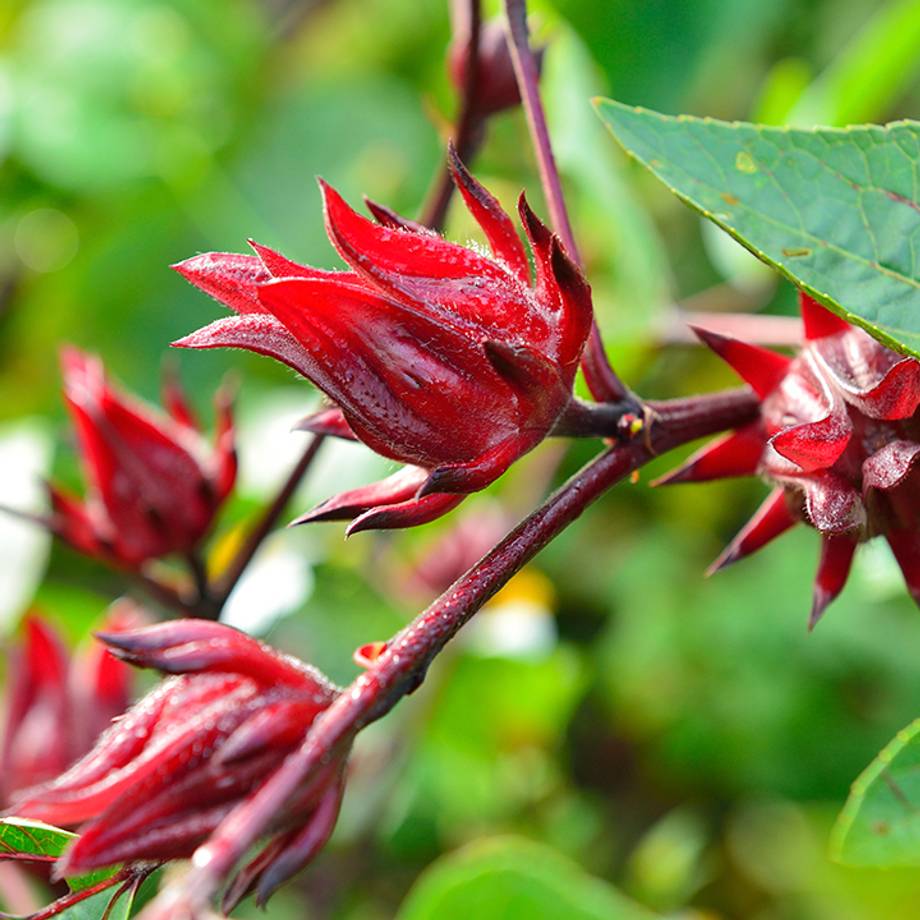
(615, 736)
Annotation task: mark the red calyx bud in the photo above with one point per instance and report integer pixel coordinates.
(161, 778)
(436, 355)
(839, 436)
(56, 706)
(496, 83)
(153, 486)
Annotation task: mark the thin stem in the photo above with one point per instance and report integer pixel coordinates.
(267, 522)
(759, 329)
(468, 130)
(163, 593)
(402, 667)
(602, 380)
(75, 897)
(199, 573)
(596, 420)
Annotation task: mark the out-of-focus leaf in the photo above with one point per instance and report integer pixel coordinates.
(22, 835)
(836, 211)
(128, 83)
(128, 904)
(716, 683)
(880, 824)
(487, 745)
(783, 87)
(668, 864)
(867, 76)
(508, 877)
(35, 838)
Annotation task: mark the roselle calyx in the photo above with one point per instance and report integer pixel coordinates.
(434, 354)
(838, 438)
(58, 704)
(161, 779)
(153, 485)
(496, 87)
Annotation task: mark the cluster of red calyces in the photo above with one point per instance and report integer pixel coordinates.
(434, 354)
(838, 437)
(153, 485)
(58, 705)
(163, 776)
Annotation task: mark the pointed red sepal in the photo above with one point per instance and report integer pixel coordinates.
(399, 487)
(192, 646)
(411, 513)
(303, 846)
(831, 504)
(541, 242)
(895, 396)
(735, 454)
(229, 278)
(245, 880)
(330, 422)
(73, 523)
(577, 305)
(258, 332)
(174, 400)
(819, 322)
(833, 571)
(906, 548)
(772, 519)
(478, 473)
(760, 368)
(387, 217)
(226, 459)
(489, 214)
(815, 445)
(889, 466)
(395, 260)
(39, 734)
(278, 725)
(123, 753)
(279, 266)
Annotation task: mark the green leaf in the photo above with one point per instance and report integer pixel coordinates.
(880, 823)
(511, 877)
(867, 76)
(128, 904)
(33, 838)
(837, 211)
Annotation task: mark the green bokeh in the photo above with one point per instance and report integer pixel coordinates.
(649, 740)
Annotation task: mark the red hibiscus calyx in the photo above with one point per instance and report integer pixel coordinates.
(161, 779)
(153, 485)
(838, 437)
(433, 354)
(58, 704)
(495, 88)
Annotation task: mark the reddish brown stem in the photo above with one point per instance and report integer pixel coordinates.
(402, 667)
(468, 130)
(602, 380)
(75, 897)
(164, 593)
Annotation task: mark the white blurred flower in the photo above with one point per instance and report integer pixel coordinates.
(25, 455)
